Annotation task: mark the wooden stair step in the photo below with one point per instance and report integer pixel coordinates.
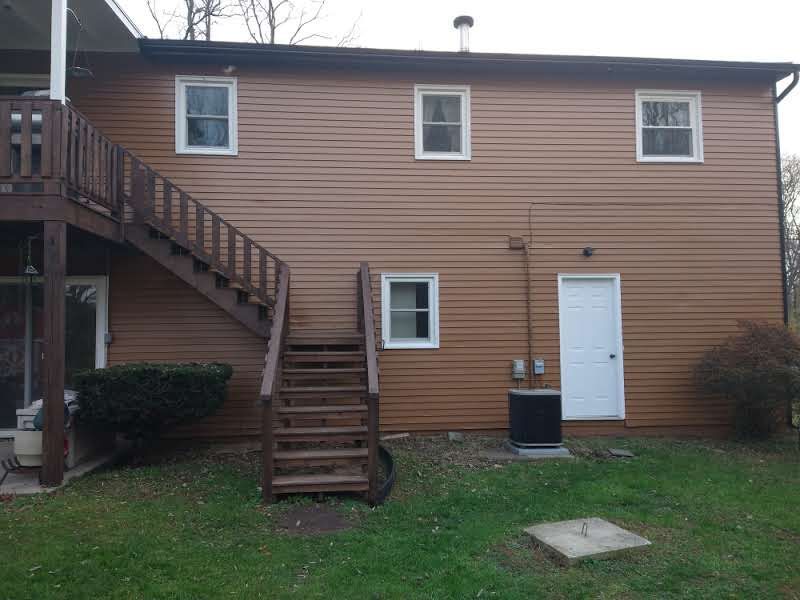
(311, 336)
(339, 339)
(289, 484)
(323, 409)
(324, 356)
(320, 434)
(323, 371)
(323, 389)
(320, 456)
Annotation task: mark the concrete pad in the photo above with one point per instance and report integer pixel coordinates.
(570, 542)
(25, 482)
(507, 453)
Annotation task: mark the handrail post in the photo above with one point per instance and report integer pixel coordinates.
(267, 460)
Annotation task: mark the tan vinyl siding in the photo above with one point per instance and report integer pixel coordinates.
(326, 177)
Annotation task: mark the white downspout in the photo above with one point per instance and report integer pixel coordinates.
(58, 51)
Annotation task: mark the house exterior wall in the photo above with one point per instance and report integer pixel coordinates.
(326, 177)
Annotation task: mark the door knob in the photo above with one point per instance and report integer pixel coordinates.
(612, 356)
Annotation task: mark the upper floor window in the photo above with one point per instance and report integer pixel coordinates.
(205, 115)
(668, 127)
(441, 122)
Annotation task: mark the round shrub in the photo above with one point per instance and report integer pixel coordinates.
(759, 370)
(142, 400)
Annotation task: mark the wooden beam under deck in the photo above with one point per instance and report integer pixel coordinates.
(55, 207)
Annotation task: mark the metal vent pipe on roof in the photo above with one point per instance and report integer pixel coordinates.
(463, 23)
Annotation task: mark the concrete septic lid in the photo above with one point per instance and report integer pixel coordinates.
(573, 541)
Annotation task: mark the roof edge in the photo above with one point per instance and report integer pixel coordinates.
(304, 54)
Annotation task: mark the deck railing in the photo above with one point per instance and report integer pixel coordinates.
(48, 147)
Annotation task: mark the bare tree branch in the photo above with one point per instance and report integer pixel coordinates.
(350, 37)
(302, 22)
(295, 21)
(162, 19)
(790, 184)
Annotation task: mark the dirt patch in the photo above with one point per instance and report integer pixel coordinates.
(316, 519)
(521, 555)
(437, 450)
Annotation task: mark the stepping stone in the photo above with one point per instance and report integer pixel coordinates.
(570, 542)
(620, 453)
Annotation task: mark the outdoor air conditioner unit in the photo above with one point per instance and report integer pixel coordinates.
(534, 417)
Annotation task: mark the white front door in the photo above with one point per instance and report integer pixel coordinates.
(591, 346)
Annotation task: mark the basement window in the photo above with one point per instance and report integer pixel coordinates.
(668, 127)
(410, 310)
(205, 115)
(441, 122)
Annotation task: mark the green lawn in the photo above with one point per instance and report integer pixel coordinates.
(723, 519)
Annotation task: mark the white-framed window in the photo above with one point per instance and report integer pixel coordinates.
(442, 122)
(669, 126)
(205, 115)
(410, 310)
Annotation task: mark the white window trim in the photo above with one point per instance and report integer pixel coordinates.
(101, 324)
(181, 81)
(695, 117)
(433, 300)
(616, 279)
(466, 130)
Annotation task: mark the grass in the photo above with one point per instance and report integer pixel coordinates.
(723, 519)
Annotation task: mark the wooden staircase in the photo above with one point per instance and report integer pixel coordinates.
(320, 398)
(319, 389)
(200, 247)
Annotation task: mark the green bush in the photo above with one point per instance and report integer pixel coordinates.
(142, 400)
(759, 370)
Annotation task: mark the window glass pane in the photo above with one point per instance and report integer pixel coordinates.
(403, 295)
(422, 295)
(665, 114)
(410, 325)
(204, 100)
(667, 142)
(441, 109)
(409, 295)
(423, 319)
(207, 132)
(81, 326)
(404, 324)
(441, 138)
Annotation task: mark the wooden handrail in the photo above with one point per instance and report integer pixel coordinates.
(270, 381)
(367, 321)
(366, 324)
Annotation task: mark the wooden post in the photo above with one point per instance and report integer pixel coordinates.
(55, 266)
(267, 459)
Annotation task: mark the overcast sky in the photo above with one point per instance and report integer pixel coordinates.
(768, 30)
